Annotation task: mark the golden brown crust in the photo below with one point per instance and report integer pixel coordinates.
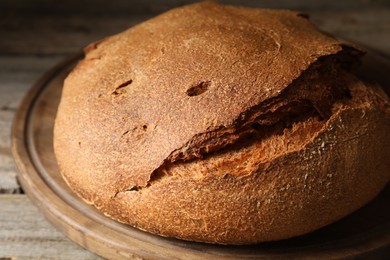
(286, 150)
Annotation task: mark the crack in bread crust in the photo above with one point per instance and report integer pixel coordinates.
(302, 96)
(286, 136)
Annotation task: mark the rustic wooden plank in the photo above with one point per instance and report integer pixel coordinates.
(25, 234)
(17, 74)
(369, 27)
(8, 183)
(45, 34)
(34, 34)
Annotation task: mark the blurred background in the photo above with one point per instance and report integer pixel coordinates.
(44, 27)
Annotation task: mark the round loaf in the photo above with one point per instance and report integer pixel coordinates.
(223, 124)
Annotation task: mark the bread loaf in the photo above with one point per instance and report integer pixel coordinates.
(223, 124)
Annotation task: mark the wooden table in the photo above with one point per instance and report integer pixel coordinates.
(35, 36)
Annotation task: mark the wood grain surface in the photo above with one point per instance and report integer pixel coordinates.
(26, 234)
(35, 35)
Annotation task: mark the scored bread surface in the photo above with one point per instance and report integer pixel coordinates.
(224, 125)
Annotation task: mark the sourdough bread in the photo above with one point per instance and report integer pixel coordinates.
(223, 124)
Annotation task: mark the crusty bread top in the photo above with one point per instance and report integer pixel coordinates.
(183, 83)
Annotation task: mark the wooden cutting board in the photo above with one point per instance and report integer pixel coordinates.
(365, 233)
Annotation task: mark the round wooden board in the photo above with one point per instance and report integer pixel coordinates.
(365, 233)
